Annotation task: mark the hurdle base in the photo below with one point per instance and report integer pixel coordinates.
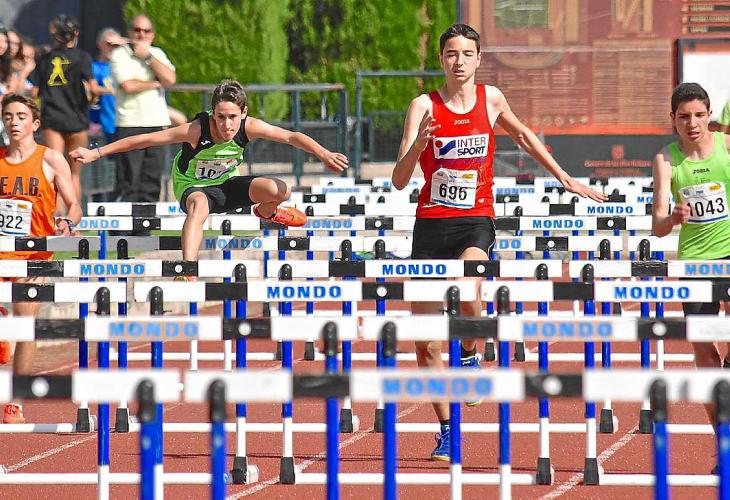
(590, 472)
(266, 310)
(242, 472)
(646, 424)
(544, 473)
(287, 473)
(606, 424)
(277, 356)
(309, 351)
(121, 423)
(519, 351)
(346, 426)
(83, 421)
(378, 422)
(489, 353)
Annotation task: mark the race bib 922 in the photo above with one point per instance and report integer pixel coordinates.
(15, 217)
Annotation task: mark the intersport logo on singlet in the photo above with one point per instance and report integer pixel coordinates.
(468, 146)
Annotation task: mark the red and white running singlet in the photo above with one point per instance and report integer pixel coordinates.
(458, 164)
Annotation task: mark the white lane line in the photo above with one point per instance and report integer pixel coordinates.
(575, 479)
(317, 458)
(49, 453)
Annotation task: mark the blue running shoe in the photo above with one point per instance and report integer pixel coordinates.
(442, 451)
(473, 362)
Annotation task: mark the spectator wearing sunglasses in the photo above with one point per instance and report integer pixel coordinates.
(140, 72)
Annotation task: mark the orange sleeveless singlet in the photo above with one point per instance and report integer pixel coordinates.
(26, 181)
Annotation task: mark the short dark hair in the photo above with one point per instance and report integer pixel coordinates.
(458, 30)
(685, 92)
(34, 109)
(229, 91)
(66, 28)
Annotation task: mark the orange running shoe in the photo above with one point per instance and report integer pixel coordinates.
(13, 414)
(286, 216)
(4, 346)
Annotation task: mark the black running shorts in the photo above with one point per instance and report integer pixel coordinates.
(448, 238)
(226, 197)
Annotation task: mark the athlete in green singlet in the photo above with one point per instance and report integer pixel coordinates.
(696, 170)
(205, 173)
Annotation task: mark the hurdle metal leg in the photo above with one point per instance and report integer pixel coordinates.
(390, 438)
(505, 467)
(590, 467)
(103, 309)
(519, 354)
(544, 473)
(721, 396)
(332, 415)
(121, 418)
(227, 344)
(287, 471)
(606, 423)
(658, 396)
(83, 418)
(346, 418)
(156, 348)
(242, 472)
(645, 420)
(380, 311)
(148, 440)
(217, 399)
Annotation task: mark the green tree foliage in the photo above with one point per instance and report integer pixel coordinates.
(209, 40)
(330, 40)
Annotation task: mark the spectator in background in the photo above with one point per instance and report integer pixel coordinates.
(29, 58)
(7, 78)
(63, 78)
(15, 47)
(103, 110)
(724, 120)
(140, 72)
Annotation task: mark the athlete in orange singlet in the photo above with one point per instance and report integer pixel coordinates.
(30, 178)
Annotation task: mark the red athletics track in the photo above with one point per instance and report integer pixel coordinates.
(622, 452)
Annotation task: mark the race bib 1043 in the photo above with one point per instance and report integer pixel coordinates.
(454, 188)
(707, 202)
(15, 217)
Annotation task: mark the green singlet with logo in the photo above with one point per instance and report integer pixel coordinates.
(208, 164)
(704, 185)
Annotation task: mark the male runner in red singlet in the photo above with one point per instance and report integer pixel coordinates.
(30, 178)
(450, 133)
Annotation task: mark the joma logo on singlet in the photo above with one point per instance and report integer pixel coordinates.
(468, 146)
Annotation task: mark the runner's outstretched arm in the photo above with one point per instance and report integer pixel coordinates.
(259, 129)
(188, 132)
(527, 140)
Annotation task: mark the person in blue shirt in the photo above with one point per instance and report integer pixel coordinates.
(102, 111)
